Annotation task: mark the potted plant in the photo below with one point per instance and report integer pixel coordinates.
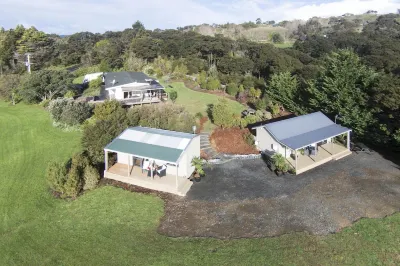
(197, 162)
(281, 166)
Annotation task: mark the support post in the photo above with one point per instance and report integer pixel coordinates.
(295, 156)
(348, 140)
(106, 159)
(151, 169)
(129, 166)
(176, 177)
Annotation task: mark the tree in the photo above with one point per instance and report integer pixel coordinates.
(221, 114)
(56, 175)
(109, 110)
(45, 85)
(258, 21)
(232, 89)
(9, 87)
(173, 95)
(343, 88)
(138, 26)
(277, 38)
(213, 84)
(283, 88)
(91, 178)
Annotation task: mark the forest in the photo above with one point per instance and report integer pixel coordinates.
(351, 74)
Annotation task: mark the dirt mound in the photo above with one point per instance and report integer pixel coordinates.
(231, 141)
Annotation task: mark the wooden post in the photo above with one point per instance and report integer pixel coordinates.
(151, 169)
(129, 166)
(295, 156)
(348, 140)
(106, 159)
(176, 177)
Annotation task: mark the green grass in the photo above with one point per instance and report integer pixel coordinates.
(78, 80)
(110, 226)
(195, 101)
(284, 45)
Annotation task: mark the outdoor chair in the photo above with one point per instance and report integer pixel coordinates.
(162, 170)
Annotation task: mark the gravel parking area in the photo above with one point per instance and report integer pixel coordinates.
(242, 198)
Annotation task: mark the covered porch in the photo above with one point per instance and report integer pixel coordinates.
(325, 153)
(143, 95)
(133, 174)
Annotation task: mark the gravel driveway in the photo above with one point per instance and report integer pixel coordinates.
(244, 199)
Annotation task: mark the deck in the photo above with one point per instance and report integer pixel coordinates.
(326, 153)
(120, 172)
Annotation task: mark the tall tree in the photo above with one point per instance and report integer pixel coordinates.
(344, 88)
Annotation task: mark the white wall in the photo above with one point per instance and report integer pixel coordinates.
(267, 142)
(119, 94)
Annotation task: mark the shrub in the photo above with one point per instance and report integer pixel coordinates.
(221, 114)
(45, 103)
(74, 183)
(275, 110)
(91, 178)
(70, 112)
(70, 94)
(248, 138)
(56, 175)
(213, 84)
(232, 89)
(107, 110)
(94, 87)
(280, 162)
(198, 115)
(261, 104)
(254, 93)
(277, 38)
(173, 95)
(86, 70)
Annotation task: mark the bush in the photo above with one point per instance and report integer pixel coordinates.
(69, 112)
(87, 70)
(107, 110)
(261, 104)
(91, 178)
(70, 94)
(173, 95)
(280, 162)
(74, 183)
(275, 109)
(75, 113)
(94, 87)
(277, 38)
(232, 89)
(248, 138)
(221, 114)
(198, 115)
(45, 103)
(213, 84)
(56, 175)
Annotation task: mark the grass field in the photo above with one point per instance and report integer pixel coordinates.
(195, 101)
(110, 226)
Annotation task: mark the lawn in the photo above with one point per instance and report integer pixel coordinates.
(195, 101)
(110, 226)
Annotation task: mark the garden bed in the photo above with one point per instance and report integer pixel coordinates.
(231, 141)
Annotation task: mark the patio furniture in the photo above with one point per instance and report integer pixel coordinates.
(162, 170)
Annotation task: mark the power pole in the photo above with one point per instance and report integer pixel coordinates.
(28, 63)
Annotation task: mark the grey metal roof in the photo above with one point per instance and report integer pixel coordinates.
(123, 78)
(152, 143)
(304, 130)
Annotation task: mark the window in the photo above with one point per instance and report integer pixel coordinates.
(126, 94)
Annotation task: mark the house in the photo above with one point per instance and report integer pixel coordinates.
(305, 141)
(132, 88)
(153, 158)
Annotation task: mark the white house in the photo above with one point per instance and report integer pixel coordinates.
(153, 158)
(305, 141)
(133, 88)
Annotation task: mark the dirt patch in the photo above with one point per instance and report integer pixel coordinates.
(243, 200)
(231, 141)
(204, 155)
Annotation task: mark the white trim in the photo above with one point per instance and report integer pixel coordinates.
(321, 140)
(138, 156)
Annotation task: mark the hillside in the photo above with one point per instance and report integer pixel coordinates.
(289, 30)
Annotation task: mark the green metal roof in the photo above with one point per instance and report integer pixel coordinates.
(145, 150)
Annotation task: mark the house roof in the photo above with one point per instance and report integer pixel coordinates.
(151, 143)
(124, 78)
(304, 130)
